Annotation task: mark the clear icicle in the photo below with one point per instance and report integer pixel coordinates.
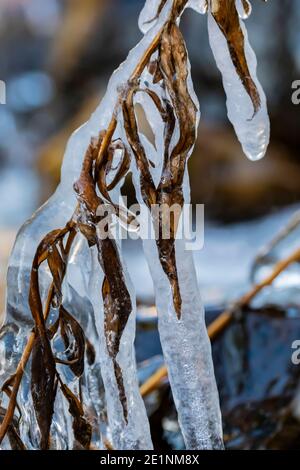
(185, 343)
(252, 128)
(186, 346)
(187, 352)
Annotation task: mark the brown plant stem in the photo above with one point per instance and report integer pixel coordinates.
(18, 375)
(223, 320)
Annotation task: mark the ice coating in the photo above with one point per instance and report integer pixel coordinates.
(55, 214)
(244, 8)
(252, 128)
(200, 6)
(187, 353)
(185, 343)
(136, 433)
(148, 15)
(18, 325)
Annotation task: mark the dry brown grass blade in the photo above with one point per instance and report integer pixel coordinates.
(18, 375)
(81, 427)
(43, 387)
(226, 15)
(115, 295)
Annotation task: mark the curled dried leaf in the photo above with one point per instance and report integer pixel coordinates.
(173, 61)
(85, 185)
(47, 250)
(105, 167)
(57, 268)
(117, 308)
(247, 7)
(103, 170)
(74, 341)
(131, 128)
(116, 298)
(174, 65)
(48, 242)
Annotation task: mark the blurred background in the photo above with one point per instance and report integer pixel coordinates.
(56, 57)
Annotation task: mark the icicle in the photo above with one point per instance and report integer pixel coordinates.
(186, 347)
(185, 342)
(187, 353)
(246, 101)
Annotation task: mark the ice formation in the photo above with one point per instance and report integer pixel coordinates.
(246, 101)
(84, 345)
